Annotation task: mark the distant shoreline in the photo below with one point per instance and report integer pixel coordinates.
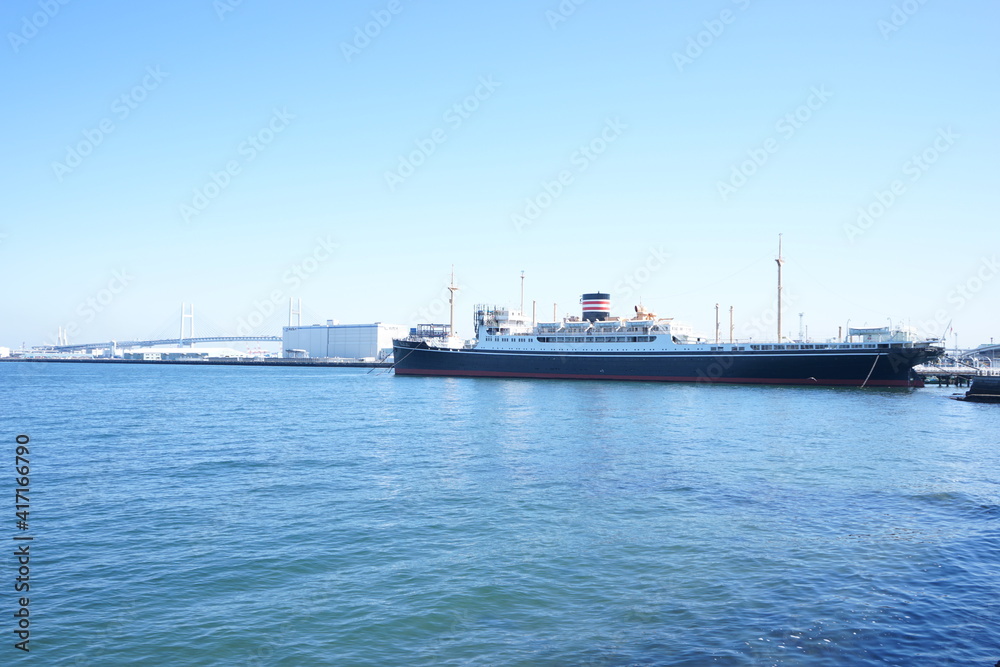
(216, 362)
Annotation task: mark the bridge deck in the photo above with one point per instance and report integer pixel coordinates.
(125, 344)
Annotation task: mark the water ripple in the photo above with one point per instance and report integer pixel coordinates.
(314, 516)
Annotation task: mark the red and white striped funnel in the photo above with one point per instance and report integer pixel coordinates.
(596, 306)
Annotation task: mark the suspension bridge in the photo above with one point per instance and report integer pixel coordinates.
(185, 338)
(179, 342)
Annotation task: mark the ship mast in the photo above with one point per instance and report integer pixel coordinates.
(452, 288)
(780, 261)
(522, 293)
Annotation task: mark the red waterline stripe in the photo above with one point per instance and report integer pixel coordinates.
(660, 378)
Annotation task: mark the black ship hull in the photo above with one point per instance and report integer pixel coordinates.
(889, 367)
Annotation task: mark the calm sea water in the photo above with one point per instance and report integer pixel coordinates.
(268, 516)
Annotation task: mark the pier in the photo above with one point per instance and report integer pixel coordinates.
(953, 375)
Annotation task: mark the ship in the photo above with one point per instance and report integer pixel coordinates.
(645, 347)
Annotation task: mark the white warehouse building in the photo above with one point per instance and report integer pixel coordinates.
(345, 341)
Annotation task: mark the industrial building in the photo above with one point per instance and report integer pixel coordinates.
(343, 341)
(181, 353)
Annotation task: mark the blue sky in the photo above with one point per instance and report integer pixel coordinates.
(233, 155)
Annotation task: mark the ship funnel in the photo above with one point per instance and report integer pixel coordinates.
(596, 306)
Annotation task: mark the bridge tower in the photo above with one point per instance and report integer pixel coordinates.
(185, 315)
(294, 314)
